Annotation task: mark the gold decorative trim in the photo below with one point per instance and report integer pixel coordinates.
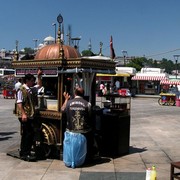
(69, 63)
(50, 114)
(37, 63)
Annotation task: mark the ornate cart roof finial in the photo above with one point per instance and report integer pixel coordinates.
(61, 51)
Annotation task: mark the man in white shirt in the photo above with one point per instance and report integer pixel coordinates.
(18, 84)
(26, 102)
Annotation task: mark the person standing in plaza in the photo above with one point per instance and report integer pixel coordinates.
(117, 85)
(101, 87)
(78, 115)
(26, 101)
(18, 84)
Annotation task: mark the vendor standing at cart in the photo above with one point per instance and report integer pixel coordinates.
(78, 114)
(26, 102)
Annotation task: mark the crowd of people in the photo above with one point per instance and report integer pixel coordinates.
(106, 88)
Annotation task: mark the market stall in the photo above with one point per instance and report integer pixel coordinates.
(170, 94)
(170, 82)
(168, 99)
(7, 83)
(63, 70)
(148, 80)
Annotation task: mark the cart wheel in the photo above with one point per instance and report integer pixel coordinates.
(42, 150)
(160, 102)
(49, 138)
(46, 149)
(171, 102)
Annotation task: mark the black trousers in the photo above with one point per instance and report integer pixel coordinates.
(30, 132)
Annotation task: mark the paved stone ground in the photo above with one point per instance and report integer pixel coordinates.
(9, 125)
(154, 140)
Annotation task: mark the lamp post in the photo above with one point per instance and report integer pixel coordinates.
(124, 56)
(54, 24)
(16, 55)
(176, 60)
(75, 42)
(35, 44)
(17, 43)
(101, 44)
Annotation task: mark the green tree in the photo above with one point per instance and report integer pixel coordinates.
(87, 53)
(168, 65)
(137, 63)
(149, 63)
(155, 64)
(28, 50)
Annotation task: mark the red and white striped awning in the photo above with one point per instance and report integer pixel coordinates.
(149, 78)
(170, 82)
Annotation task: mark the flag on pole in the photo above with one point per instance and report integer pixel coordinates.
(112, 49)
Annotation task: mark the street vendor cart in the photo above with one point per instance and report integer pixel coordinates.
(8, 90)
(8, 93)
(63, 70)
(170, 94)
(168, 99)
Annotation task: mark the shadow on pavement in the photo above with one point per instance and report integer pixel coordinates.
(5, 135)
(133, 150)
(98, 160)
(112, 175)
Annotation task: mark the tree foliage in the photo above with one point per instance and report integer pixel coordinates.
(168, 65)
(137, 63)
(87, 53)
(165, 64)
(28, 50)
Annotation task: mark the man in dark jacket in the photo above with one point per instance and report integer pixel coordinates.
(78, 114)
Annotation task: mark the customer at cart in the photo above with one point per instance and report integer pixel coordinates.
(18, 84)
(26, 102)
(117, 85)
(78, 114)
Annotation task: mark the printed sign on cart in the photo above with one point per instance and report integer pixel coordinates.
(46, 71)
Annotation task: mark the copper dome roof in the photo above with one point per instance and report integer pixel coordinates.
(52, 52)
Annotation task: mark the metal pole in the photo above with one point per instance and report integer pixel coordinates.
(176, 68)
(54, 24)
(124, 56)
(35, 43)
(55, 33)
(176, 60)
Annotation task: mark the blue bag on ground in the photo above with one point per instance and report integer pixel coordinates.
(74, 149)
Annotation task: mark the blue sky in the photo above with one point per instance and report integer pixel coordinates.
(141, 27)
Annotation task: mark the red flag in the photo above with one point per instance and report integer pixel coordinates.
(112, 49)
